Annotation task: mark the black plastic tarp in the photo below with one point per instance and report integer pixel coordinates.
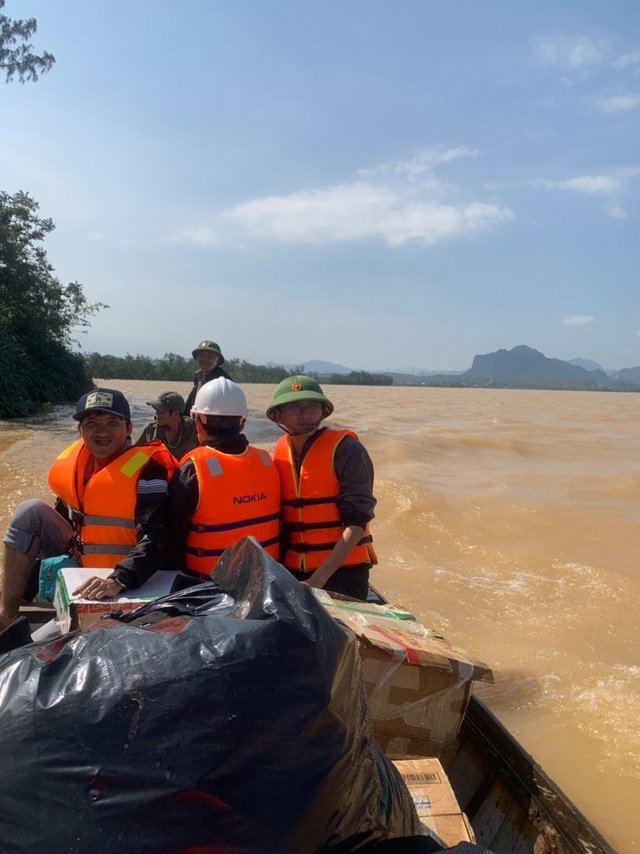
(226, 718)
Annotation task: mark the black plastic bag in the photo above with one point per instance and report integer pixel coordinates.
(226, 718)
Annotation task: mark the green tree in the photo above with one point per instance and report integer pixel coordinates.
(16, 54)
(38, 315)
(358, 378)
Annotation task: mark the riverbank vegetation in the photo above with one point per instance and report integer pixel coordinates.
(174, 368)
(38, 316)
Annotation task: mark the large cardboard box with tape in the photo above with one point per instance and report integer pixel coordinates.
(438, 810)
(417, 683)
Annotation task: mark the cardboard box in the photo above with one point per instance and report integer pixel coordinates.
(438, 810)
(74, 612)
(355, 606)
(418, 685)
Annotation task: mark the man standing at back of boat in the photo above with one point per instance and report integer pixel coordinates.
(111, 508)
(225, 489)
(326, 478)
(210, 360)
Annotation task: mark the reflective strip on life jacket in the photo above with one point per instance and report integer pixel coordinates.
(310, 516)
(103, 540)
(231, 488)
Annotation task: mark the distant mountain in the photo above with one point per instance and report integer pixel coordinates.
(316, 366)
(524, 367)
(628, 375)
(524, 364)
(520, 367)
(587, 364)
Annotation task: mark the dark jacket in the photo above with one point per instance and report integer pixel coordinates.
(199, 380)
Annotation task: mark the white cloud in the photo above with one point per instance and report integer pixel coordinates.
(363, 210)
(591, 184)
(616, 103)
(627, 60)
(201, 236)
(569, 53)
(398, 202)
(612, 186)
(422, 163)
(614, 210)
(578, 320)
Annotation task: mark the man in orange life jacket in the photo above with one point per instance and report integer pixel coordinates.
(225, 489)
(326, 479)
(111, 508)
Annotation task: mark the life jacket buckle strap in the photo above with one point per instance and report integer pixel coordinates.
(76, 517)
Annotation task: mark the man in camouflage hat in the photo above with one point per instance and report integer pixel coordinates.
(176, 432)
(209, 357)
(326, 478)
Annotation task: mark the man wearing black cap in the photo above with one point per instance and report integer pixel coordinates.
(170, 426)
(209, 357)
(112, 507)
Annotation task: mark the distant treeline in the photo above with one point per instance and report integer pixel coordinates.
(172, 367)
(356, 378)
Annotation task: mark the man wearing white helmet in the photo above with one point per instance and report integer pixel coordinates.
(225, 489)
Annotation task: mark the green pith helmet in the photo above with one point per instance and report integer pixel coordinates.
(208, 347)
(295, 389)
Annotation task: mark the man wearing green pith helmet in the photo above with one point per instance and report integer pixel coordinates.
(326, 476)
(209, 359)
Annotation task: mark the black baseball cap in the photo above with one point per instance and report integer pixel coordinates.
(103, 400)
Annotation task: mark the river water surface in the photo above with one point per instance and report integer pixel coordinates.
(510, 522)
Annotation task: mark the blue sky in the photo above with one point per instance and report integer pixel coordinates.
(382, 183)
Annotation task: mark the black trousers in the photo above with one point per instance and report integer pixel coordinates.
(350, 581)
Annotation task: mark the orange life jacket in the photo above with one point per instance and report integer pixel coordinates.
(239, 496)
(104, 539)
(310, 516)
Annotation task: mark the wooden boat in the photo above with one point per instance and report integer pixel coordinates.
(511, 803)
(513, 806)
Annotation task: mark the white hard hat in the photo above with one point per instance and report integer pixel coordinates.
(220, 397)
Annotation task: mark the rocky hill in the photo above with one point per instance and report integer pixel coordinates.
(526, 364)
(524, 367)
(520, 367)
(628, 375)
